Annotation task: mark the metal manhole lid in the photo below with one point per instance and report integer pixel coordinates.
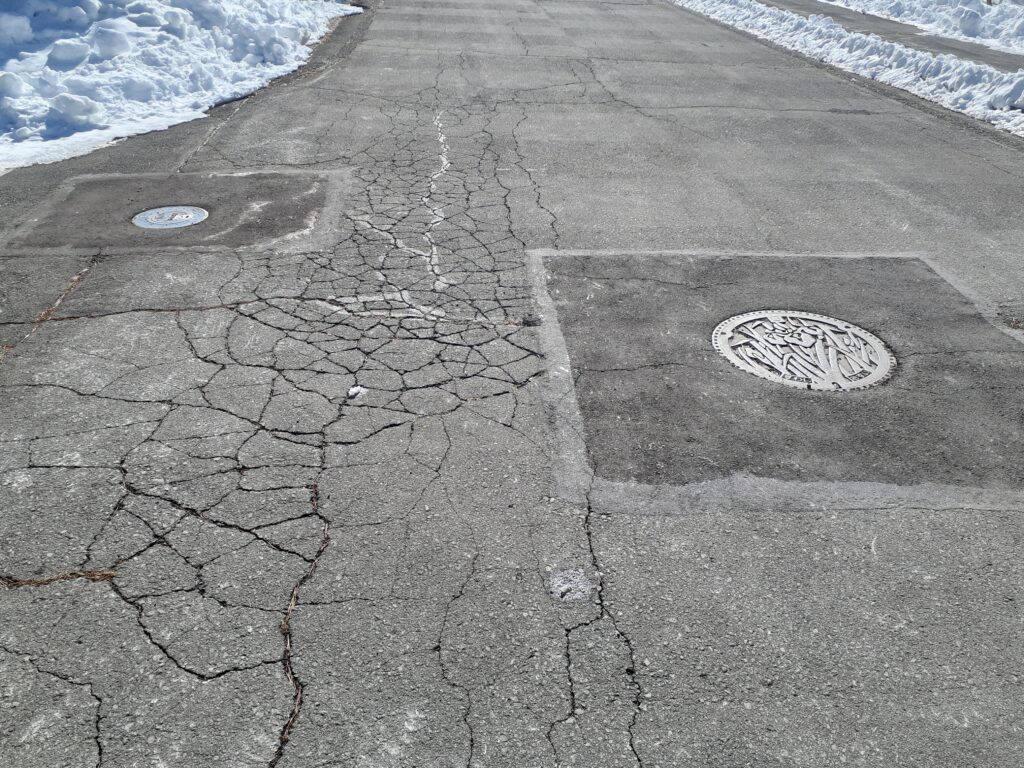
(170, 217)
(805, 350)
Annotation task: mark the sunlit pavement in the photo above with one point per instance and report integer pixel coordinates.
(418, 451)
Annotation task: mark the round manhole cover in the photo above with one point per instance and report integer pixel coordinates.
(801, 349)
(170, 217)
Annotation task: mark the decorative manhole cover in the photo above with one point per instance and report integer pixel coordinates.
(801, 349)
(170, 217)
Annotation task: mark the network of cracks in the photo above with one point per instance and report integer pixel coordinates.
(310, 519)
(237, 518)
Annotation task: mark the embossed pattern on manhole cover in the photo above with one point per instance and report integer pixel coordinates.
(805, 350)
(170, 217)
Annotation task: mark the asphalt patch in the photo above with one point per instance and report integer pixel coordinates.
(244, 209)
(661, 406)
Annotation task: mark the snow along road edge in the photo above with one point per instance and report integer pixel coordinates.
(964, 86)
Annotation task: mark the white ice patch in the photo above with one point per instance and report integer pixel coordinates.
(965, 86)
(77, 74)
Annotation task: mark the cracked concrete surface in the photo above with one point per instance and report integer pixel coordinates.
(316, 490)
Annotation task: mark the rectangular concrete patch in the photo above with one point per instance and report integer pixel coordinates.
(244, 209)
(660, 405)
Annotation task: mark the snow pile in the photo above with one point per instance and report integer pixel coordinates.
(996, 26)
(76, 74)
(974, 89)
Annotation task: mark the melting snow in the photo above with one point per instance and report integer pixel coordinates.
(996, 26)
(77, 74)
(965, 86)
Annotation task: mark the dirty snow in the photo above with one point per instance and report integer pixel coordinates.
(77, 74)
(995, 26)
(965, 86)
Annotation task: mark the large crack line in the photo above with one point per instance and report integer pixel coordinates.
(286, 631)
(574, 475)
(97, 718)
(438, 216)
(9, 583)
(434, 258)
(446, 674)
(606, 612)
(47, 313)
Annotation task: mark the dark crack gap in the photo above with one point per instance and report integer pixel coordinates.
(445, 672)
(97, 575)
(630, 671)
(286, 631)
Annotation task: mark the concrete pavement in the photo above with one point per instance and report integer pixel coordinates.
(417, 452)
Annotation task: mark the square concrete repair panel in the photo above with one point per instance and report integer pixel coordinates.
(243, 209)
(660, 405)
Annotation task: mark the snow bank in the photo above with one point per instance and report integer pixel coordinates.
(995, 26)
(965, 86)
(77, 74)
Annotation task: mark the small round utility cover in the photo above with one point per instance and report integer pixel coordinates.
(801, 349)
(170, 217)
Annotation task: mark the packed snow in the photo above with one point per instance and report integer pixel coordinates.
(965, 86)
(995, 26)
(77, 74)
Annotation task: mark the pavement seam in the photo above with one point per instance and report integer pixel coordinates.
(47, 313)
(574, 478)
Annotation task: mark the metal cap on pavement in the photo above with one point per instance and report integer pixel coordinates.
(170, 217)
(805, 350)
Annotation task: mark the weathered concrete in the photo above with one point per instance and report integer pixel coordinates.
(818, 624)
(320, 496)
